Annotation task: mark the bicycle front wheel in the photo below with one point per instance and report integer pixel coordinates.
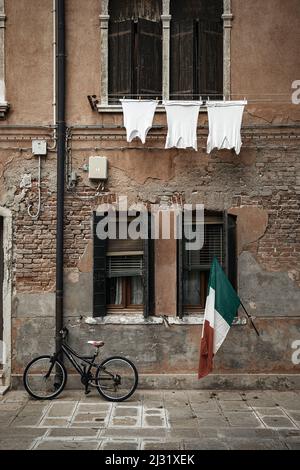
(116, 378)
(44, 379)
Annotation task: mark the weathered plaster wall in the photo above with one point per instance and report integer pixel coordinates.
(83, 59)
(265, 57)
(29, 61)
(261, 185)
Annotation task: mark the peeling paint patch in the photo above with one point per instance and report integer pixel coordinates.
(252, 223)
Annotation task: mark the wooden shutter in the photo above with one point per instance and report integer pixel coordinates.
(120, 59)
(231, 250)
(182, 59)
(149, 58)
(124, 266)
(99, 273)
(210, 58)
(148, 279)
(180, 278)
(1, 276)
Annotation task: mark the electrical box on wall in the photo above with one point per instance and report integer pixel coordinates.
(39, 147)
(98, 168)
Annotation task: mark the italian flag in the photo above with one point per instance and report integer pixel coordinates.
(221, 306)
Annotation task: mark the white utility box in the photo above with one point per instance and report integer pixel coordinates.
(39, 147)
(98, 168)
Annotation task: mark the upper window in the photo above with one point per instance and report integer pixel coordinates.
(192, 62)
(134, 49)
(196, 49)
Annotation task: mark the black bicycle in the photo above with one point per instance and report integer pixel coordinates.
(45, 377)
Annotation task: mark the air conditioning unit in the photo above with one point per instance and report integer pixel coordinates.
(98, 168)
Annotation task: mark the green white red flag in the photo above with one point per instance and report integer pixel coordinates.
(220, 309)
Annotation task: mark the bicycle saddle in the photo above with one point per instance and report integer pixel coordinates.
(97, 344)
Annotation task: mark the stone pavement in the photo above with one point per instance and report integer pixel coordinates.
(153, 420)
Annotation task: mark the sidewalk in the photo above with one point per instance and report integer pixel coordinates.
(153, 420)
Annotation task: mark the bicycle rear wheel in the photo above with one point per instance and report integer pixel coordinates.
(44, 379)
(116, 378)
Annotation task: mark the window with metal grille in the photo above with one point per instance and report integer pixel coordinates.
(213, 246)
(194, 265)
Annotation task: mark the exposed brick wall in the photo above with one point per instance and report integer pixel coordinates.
(270, 183)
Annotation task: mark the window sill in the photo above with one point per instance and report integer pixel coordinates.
(139, 319)
(4, 107)
(118, 109)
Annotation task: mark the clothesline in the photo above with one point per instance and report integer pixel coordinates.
(250, 98)
(225, 120)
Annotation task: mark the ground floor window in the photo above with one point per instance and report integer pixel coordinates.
(123, 274)
(194, 265)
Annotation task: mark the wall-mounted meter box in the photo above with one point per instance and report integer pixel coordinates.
(98, 168)
(39, 147)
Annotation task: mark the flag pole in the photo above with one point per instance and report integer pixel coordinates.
(250, 318)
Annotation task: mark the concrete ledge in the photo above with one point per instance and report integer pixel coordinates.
(282, 382)
(139, 319)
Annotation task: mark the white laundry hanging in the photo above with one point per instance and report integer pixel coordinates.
(225, 122)
(182, 118)
(138, 117)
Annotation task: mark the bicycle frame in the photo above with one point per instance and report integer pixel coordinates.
(81, 369)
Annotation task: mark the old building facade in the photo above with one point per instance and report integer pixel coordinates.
(160, 49)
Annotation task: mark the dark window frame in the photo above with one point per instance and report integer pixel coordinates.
(229, 262)
(100, 306)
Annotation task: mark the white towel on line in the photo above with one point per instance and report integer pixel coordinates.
(182, 118)
(138, 117)
(225, 122)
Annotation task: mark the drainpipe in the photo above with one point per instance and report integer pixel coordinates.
(61, 135)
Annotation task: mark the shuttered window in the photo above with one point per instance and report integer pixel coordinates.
(194, 265)
(196, 50)
(135, 59)
(123, 274)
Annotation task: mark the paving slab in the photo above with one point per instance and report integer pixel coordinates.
(120, 445)
(55, 422)
(67, 445)
(256, 444)
(182, 433)
(295, 415)
(72, 432)
(213, 422)
(293, 443)
(278, 422)
(277, 411)
(134, 432)
(234, 405)
(125, 421)
(210, 405)
(90, 417)
(60, 410)
(243, 419)
(183, 423)
(7, 417)
(15, 444)
(125, 411)
(172, 445)
(205, 444)
(229, 396)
